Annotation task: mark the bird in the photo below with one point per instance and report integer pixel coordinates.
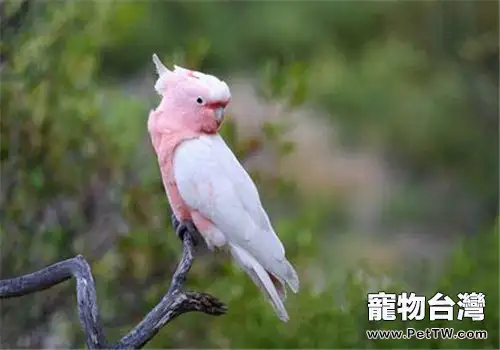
(207, 186)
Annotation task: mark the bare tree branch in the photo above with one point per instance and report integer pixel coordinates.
(173, 304)
(55, 274)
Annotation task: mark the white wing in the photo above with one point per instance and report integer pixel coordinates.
(211, 180)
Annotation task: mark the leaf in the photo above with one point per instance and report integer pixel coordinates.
(272, 131)
(196, 52)
(299, 95)
(286, 148)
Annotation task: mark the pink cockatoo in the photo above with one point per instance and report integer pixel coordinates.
(206, 184)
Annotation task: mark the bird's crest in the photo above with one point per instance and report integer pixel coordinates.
(218, 88)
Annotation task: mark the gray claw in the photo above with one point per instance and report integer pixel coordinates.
(186, 226)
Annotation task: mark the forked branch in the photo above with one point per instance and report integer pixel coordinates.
(174, 303)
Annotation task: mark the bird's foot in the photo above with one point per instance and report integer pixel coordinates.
(183, 227)
(187, 226)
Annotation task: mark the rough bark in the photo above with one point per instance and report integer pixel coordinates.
(174, 303)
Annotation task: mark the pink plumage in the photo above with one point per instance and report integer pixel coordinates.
(180, 117)
(206, 184)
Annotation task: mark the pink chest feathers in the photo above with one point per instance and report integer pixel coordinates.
(165, 145)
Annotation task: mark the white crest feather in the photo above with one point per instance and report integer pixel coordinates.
(181, 70)
(160, 67)
(218, 89)
(163, 73)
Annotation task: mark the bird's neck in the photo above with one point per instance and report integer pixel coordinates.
(166, 134)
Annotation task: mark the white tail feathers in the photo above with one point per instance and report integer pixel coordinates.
(272, 286)
(292, 279)
(279, 285)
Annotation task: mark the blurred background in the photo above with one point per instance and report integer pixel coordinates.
(370, 128)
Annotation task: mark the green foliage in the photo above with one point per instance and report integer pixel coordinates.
(288, 82)
(79, 175)
(337, 316)
(37, 124)
(388, 81)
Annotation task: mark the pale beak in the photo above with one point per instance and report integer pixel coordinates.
(219, 114)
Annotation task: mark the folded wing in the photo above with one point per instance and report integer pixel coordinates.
(212, 181)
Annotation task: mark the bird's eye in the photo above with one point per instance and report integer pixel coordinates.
(199, 100)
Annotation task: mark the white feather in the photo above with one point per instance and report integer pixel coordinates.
(261, 279)
(160, 67)
(163, 75)
(211, 180)
(219, 91)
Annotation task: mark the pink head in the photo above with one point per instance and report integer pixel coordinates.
(190, 100)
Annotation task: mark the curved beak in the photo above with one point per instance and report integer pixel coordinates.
(219, 114)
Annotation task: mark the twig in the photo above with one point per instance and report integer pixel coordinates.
(14, 22)
(55, 274)
(173, 304)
